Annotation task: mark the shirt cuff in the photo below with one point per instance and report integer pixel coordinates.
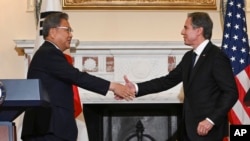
(136, 88)
(210, 121)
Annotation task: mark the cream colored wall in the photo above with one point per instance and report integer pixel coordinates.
(132, 25)
(91, 25)
(15, 23)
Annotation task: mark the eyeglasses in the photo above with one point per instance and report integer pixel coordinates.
(68, 29)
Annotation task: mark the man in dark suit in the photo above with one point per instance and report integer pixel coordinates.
(209, 87)
(56, 122)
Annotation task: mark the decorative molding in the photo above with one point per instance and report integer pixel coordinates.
(139, 60)
(27, 45)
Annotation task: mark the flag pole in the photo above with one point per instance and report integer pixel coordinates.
(37, 11)
(222, 12)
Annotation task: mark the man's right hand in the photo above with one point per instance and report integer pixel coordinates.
(121, 91)
(129, 84)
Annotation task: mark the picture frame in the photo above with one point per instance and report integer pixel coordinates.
(139, 4)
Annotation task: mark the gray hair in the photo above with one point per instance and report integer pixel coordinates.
(202, 19)
(53, 20)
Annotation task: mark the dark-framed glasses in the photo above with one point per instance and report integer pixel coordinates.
(68, 29)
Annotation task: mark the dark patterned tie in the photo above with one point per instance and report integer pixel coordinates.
(193, 58)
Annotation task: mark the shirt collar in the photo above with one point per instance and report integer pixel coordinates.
(201, 47)
(53, 44)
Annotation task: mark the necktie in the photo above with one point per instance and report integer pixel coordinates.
(77, 101)
(193, 58)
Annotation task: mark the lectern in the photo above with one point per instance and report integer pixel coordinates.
(20, 95)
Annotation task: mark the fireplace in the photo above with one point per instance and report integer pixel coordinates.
(152, 117)
(133, 121)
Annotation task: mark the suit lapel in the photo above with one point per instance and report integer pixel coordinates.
(200, 62)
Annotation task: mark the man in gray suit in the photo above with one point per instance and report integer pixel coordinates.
(209, 85)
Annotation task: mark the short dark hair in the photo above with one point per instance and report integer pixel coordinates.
(53, 20)
(202, 19)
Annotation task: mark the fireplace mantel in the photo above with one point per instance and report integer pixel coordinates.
(139, 60)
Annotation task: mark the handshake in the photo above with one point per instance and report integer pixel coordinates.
(126, 91)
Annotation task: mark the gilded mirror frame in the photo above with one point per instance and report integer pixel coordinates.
(139, 4)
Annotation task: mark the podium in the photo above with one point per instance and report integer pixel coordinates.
(20, 95)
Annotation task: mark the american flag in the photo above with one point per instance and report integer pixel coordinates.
(235, 45)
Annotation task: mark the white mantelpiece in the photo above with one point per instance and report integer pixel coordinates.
(139, 60)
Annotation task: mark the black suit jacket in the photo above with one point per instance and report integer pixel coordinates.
(57, 76)
(209, 88)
